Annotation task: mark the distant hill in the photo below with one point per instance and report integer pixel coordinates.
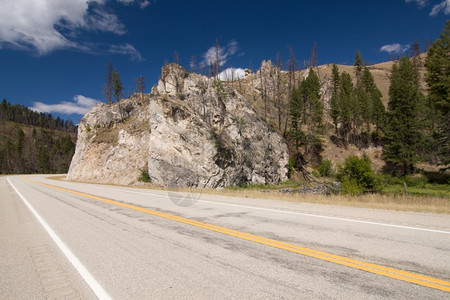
(32, 142)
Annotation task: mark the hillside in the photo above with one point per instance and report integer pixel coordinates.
(32, 142)
(267, 90)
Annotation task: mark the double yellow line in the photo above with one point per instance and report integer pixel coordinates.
(356, 264)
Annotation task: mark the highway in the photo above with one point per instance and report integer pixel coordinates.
(67, 240)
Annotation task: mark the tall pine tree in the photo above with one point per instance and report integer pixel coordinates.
(438, 79)
(358, 64)
(347, 104)
(402, 132)
(334, 102)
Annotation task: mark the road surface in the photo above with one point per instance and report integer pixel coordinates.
(82, 241)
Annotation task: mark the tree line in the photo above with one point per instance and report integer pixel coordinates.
(23, 115)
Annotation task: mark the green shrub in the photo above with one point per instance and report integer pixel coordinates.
(145, 177)
(291, 167)
(350, 186)
(357, 176)
(325, 168)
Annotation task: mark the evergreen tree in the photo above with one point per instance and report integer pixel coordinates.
(438, 79)
(117, 85)
(334, 102)
(363, 109)
(347, 101)
(314, 107)
(358, 64)
(44, 161)
(20, 141)
(296, 113)
(402, 135)
(376, 107)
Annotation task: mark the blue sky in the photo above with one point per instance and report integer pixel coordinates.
(53, 53)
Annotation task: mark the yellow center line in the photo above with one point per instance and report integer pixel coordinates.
(341, 260)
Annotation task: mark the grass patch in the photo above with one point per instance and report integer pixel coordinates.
(430, 190)
(107, 135)
(254, 187)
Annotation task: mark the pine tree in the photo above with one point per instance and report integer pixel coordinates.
(312, 103)
(347, 103)
(296, 113)
(117, 85)
(358, 64)
(20, 141)
(438, 79)
(402, 133)
(334, 102)
(376, 115)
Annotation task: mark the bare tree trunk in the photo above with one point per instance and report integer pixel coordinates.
(278, 84)
(108, 87)
(140, 86)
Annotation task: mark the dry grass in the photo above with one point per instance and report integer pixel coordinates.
(374, 201)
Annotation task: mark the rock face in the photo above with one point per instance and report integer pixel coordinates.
(190, 131)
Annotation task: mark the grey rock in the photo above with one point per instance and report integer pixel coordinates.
(190, 131)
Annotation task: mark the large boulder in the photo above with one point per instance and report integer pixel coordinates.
(191, 131)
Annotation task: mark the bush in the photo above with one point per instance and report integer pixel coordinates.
(291, 167)
(357, 176)
(325, 168)
(145, 177)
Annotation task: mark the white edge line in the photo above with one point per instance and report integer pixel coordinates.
(303, 214)
(90, 280)
(297, 213)
(330, 218)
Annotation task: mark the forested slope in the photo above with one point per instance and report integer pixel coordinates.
(32, 142)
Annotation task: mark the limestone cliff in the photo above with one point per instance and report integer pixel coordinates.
(190, 131)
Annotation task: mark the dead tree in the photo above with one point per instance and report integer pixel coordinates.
(217, 62)
(416, 62)
(108, 87)
(140, 86)
(176, 58)
(279, 101)
(313, 60)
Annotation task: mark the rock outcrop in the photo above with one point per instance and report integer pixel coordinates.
(190, 131)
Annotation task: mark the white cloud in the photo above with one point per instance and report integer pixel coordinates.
(443, 6)
(232, 74)
(142, 3)
(222, 54)
(80, 106)
(43, 26)
(101, 20)
(126, 49)
(421, 3)
(395, 48)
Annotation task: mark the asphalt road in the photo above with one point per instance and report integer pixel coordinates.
(129, 243)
